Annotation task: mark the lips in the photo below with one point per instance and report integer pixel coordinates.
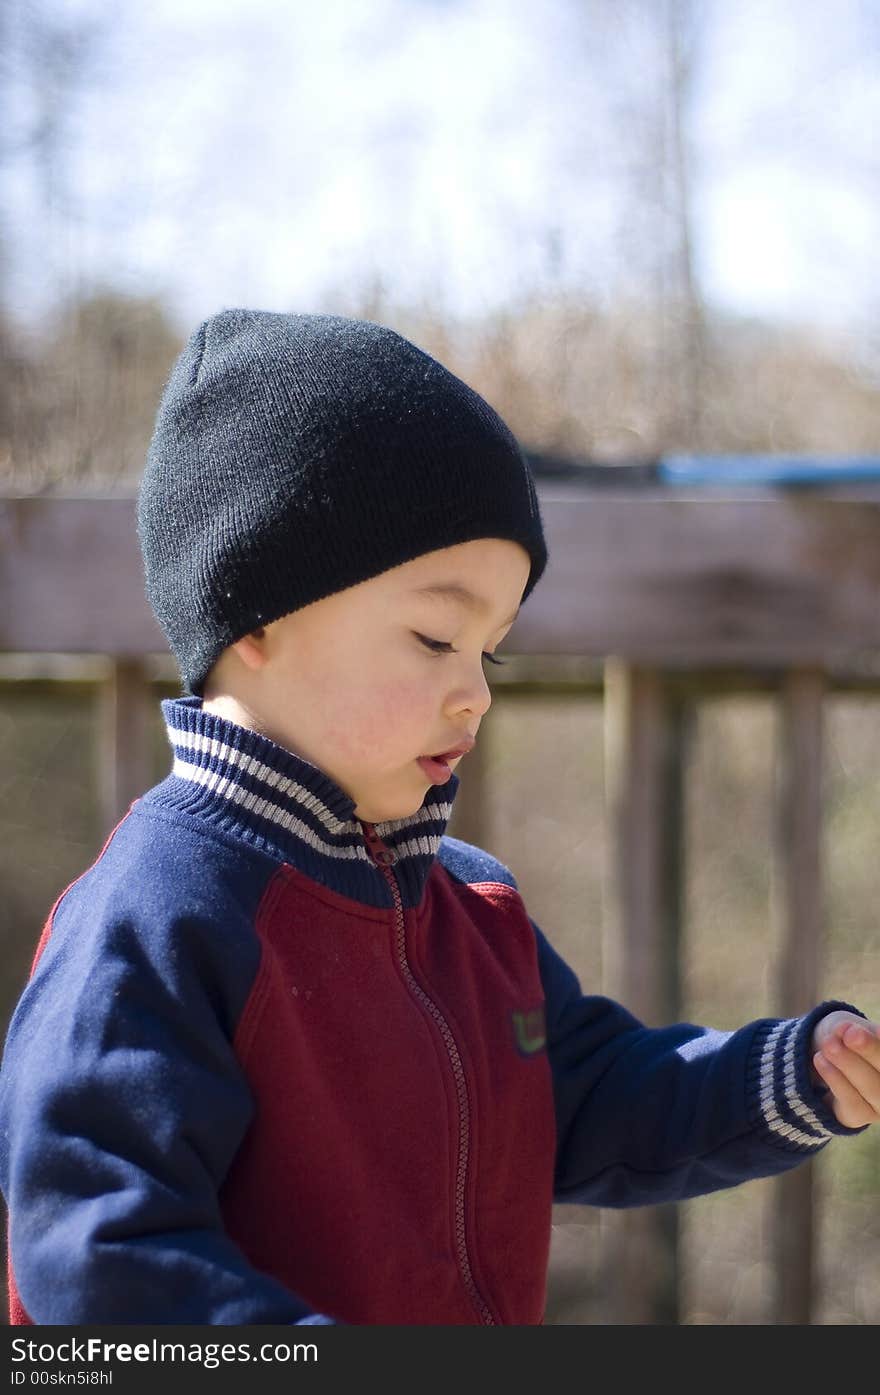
(438, 768)
(455, 751)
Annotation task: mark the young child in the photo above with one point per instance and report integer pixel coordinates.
(288, 1053)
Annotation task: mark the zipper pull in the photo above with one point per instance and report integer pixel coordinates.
(379, 851)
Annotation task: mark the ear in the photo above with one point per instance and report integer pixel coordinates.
(251, 648)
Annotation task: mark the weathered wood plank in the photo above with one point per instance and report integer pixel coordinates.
(644, 797)
(71, 578)
(470, 809)
(678, 581)
(125, 702)
(645, 726)
(799, 823)
(654, 577)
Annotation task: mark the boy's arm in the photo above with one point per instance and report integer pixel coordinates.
(646, 1115)
(122, 1107)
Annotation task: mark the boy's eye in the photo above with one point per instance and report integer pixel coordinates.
(442, 646)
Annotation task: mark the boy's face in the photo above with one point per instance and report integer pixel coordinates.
(349, 683)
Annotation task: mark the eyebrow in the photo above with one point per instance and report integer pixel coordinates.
(457, 592)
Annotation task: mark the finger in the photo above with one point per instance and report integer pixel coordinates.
(868, 1031)
(835, 1024)
(858, 1056)
(846, 1103)
(851, 1108)
(861, 1039)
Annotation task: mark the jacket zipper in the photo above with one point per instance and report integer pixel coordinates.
(385, 857)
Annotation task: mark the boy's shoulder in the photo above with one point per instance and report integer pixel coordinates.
(467, 863)
(160, 865)
(163, 903)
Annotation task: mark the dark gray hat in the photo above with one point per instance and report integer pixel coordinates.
(296, 455)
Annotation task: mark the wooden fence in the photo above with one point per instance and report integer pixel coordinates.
(653, 598)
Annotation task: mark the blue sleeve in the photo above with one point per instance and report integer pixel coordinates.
(648, 1115)
(122, 1106)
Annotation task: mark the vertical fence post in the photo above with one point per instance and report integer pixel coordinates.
(644, 797)
(799, 824)
(469, 819)
(123, 740)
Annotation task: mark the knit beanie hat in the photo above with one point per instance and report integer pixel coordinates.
(296, 455)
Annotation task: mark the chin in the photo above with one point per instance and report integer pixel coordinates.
(377, 808)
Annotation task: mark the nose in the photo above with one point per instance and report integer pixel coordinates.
(474, 695)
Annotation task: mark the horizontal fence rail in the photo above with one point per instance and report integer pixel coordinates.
(657, 576)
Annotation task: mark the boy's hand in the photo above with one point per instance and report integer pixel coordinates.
(847, 1058)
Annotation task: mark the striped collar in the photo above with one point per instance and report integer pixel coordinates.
(246, 785)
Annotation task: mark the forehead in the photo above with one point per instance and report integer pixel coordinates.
(484, 578)
(481, 576)
(461, 595)
(489, 564)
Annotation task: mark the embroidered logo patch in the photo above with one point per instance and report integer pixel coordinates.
(530, 1030)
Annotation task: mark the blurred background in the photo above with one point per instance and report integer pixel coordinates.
(637, 227)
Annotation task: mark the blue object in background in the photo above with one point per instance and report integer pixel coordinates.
(801, 471)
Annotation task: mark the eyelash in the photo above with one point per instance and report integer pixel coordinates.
(440, 646)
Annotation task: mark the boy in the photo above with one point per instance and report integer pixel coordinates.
(288, 1054)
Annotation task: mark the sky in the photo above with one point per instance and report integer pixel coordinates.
(464, 153)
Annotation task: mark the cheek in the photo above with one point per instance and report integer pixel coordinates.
(368, 717)
(405, 702)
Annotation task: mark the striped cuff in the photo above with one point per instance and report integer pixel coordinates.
(781, 1097)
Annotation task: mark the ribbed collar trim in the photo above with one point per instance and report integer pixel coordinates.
(246, 784)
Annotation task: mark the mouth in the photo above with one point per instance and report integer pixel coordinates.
(438, 767)
(453, 753)
(437, 771)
